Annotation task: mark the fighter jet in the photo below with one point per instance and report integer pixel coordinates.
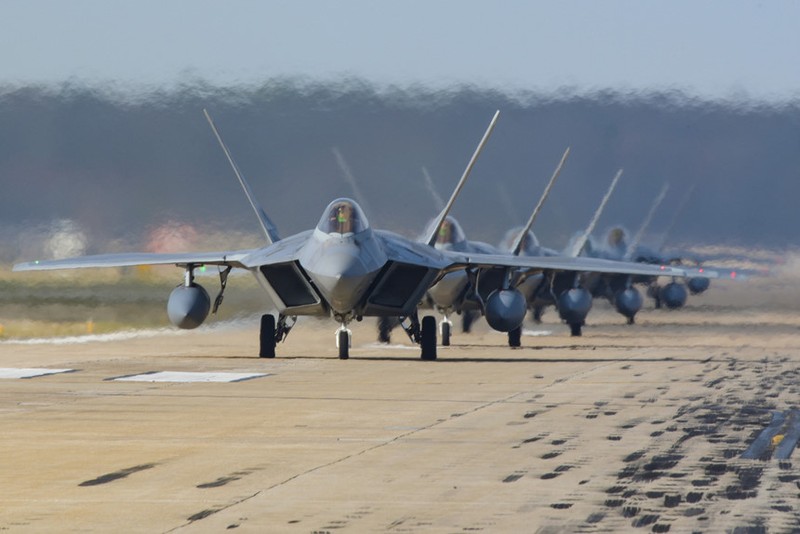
(620, 289)
(346, 270)
(451, 294)
(617, 247)
(456, 292)
(565, 290)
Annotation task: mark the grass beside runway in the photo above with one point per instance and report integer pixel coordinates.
(101, 301)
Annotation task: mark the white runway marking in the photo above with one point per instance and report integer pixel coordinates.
(377, 345)
(9, 372)
(177, 376)
(537, 333)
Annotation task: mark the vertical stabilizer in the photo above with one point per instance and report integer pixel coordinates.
(581, 242)
(351, 179)
(521, 237)
(437, 199)
(647, 220)
(678, 212)
(431, 239)
(270, 232)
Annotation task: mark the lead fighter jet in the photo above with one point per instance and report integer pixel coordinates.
(346, 270)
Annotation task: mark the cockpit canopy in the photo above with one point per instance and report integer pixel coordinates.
(616, 237)
(529, 243)
(343, 216)
(616, 242)
(449, 233)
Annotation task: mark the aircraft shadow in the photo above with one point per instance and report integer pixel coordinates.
(470, 359)
(490, 359)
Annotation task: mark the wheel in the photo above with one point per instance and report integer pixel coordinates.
(428, 338)
(445, 334)
(467, 318)
(631, 320)
(575, 329)
(267, 337)
(537, 314)
(385, 326)
(515, 337)
(344, 344)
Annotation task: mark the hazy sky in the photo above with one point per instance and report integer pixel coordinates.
(720, 48)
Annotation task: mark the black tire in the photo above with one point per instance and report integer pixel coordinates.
(385, 326)
(631, 320)
(515, 337)
(575, 329)
(467, 318)
(428, 338)
(537, 314)
(344, 344)
(267, 337)
(445, 334)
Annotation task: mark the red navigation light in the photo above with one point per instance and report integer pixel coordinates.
(700, 269)
(663, 268)
(733, 274)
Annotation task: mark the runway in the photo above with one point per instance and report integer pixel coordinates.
(628, 428)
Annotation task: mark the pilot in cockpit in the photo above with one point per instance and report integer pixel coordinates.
(445, 235)
(449, 235)
(342, 217)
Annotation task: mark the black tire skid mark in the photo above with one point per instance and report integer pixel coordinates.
(710, 420)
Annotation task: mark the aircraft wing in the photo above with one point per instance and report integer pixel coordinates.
(400, 249)
(128, 259)
(283, 251)
(726, 273)
(579, 264)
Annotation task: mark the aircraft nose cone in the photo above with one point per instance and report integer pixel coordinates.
(342, 278)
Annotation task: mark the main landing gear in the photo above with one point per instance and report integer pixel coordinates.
(272, 332)
(575, 329)
(515, 337)
(385, 327)
(423, 333)
(427, 340)
(467, 318)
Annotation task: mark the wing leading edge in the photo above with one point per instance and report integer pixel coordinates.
(579, 264)
(233, 258)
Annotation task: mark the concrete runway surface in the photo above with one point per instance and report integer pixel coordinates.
(628, 428)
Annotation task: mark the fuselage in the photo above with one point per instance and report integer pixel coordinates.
(343, 267)
(448, 294)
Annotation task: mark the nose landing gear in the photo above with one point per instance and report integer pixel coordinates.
(344, 338)
(445, 327)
